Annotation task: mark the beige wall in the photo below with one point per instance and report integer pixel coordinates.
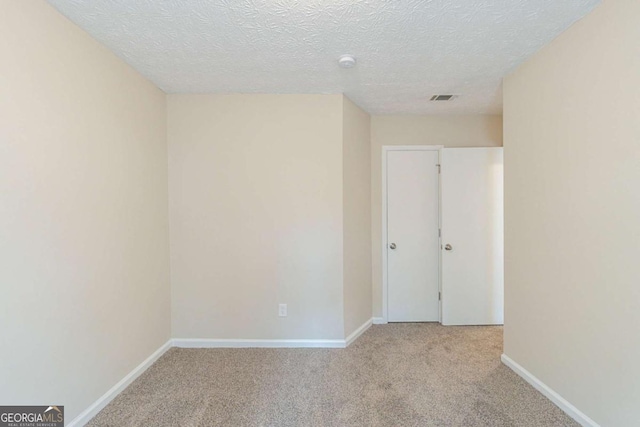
(572, 211)
(356, 197)
(255, 185)
(450, 131)
(83, 213)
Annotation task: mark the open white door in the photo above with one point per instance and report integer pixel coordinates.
(472, 236)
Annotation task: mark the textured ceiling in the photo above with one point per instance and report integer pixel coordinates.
(407, 50)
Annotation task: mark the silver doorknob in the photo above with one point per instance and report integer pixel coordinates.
(448, 247)
(392, 246)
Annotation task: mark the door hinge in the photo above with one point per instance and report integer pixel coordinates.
(439, 296)
(439, 232)
(438, 168)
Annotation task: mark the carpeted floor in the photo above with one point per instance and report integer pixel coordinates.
(412, 374)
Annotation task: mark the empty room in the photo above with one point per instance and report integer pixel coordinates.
(320, 213)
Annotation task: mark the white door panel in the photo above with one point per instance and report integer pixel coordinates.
(412, 226)
(472, 224)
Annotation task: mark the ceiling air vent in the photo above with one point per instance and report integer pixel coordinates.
(442, 97)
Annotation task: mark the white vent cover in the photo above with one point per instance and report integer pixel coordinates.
(443, 97)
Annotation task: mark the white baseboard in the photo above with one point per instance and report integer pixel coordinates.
(558, 400)
(249, 343)
(103, 401)
(246, 343)
(379, 321)
(355, 334)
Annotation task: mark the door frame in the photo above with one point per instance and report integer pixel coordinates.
(385, 282)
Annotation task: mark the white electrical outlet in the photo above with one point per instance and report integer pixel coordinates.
(282, 310)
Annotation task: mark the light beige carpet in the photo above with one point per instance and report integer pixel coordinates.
(393, 375)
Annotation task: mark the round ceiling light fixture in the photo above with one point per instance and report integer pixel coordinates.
(347, 61)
